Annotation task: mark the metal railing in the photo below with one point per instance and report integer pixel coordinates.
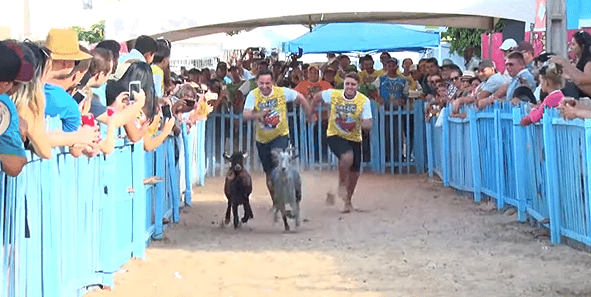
(67, 224)
(395, 144)
(541, 169)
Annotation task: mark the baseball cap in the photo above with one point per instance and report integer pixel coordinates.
(468, 74)
(486, 64)
(508, 44)
(63, 44)
(525, 46)
(13, 66)
(413, 67)
(447, 62)
(352, 68)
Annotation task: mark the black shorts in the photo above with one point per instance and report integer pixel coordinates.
(265, 149)
(340, 146)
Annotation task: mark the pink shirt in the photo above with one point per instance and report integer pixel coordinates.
(552, 100)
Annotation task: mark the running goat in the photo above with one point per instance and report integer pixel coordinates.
(287, 186)
(237, 188)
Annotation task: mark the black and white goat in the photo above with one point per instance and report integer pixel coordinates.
(287, 186)
(237, 187)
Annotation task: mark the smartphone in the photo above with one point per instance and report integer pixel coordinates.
(79, 96)
(190, 103)
(134, 86)
(88, 119)
(211, 96)
(166, 112)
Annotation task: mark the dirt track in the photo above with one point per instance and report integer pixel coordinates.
(412, 238)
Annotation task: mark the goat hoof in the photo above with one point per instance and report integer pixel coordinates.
(330, 199)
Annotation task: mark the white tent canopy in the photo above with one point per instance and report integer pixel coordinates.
(180, 19)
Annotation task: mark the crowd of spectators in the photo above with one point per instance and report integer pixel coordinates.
(535, 82)
(92, 93)
(60, 78)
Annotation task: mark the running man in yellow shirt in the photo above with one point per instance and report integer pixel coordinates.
(267, 105)
(350, 112)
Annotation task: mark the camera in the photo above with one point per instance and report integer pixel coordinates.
(294, 57)
(258, 53)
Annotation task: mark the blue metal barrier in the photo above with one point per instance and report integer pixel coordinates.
(542, 169)
(395, 143)
(85, 217)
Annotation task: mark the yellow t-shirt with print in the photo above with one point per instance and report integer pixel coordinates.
(363, 75)
(275, 123)
(412, 83)
(345, 116)
(158, 75)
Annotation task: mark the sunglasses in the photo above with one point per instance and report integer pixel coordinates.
(435, 81)
(454, 78)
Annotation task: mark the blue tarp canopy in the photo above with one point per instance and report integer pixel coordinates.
(361, 37)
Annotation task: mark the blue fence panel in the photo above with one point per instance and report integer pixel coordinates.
(568, 178)
(487, 135)
(533, 172)
(85, 217)
(437, 148)
(542, 169)
(506, 156)
(392, 134)
(460, 154)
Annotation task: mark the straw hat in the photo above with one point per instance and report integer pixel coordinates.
(63, 44)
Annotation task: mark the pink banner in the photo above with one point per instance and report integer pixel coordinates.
(497, 54)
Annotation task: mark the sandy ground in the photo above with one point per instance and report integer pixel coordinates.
(412, 237)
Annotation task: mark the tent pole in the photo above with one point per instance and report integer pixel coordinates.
(439, 48)
(556, 32)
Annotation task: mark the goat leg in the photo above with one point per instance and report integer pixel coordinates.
(247, 212)
(285, 222)
(297, 214)
(227, 221)
(235, 214)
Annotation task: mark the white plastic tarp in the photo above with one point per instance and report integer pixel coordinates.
(181, 19)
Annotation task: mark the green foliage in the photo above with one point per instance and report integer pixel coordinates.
(462, 38)
(95, 34)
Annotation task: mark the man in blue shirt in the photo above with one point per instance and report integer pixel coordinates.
(69, 64)
(143, 50)
(13, 69)
(393, 88)
(520, 75)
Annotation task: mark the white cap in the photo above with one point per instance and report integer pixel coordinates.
(508, 44)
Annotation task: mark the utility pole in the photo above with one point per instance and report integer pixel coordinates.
(556, 35)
